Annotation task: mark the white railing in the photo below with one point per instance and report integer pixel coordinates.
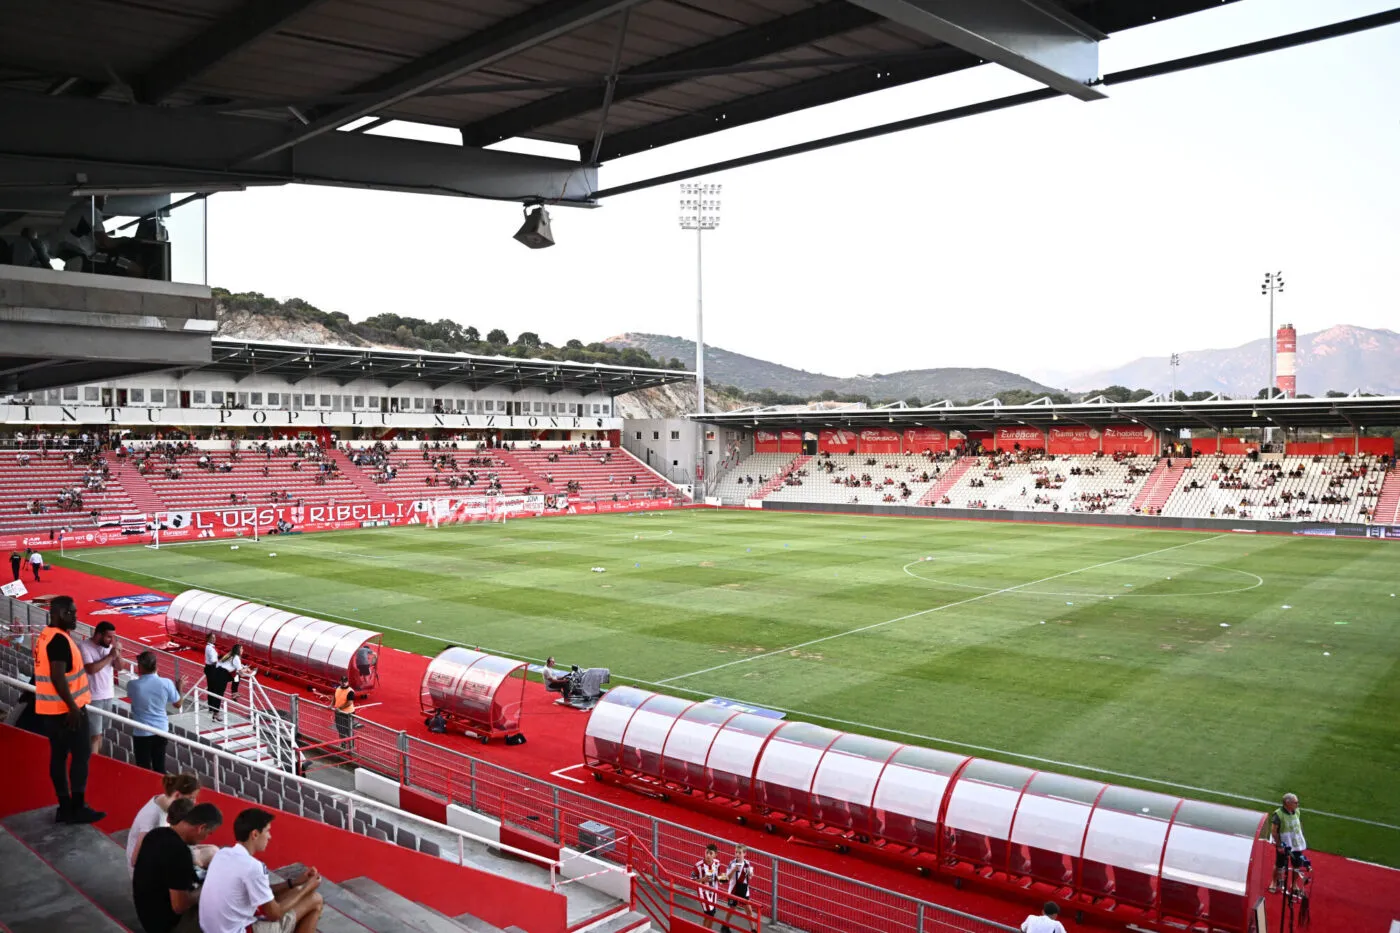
(352, 799)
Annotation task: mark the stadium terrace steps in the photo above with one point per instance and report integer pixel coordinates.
(1160, 484)
(947, 481)
(776, 481)
(1388, 505)
(372, 490)
(142, 494)
(209, 489)
(411, 916)
(595, 480)
(732, 488)
(1223, 484)
(36, 898)
(42, 478)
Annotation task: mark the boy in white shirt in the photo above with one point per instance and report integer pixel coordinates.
(237, 896)
(1045, 921)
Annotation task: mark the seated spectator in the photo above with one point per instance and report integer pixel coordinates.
(237, 895)
(164, 883)
(174, 787)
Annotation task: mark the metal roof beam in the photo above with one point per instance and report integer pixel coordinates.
(509, 37)
(237, 28)
(1033, 39)
(176, 149)
(787, 32)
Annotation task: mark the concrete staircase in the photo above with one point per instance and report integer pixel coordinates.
(1160, 484)
(357, 476)
(140, 491)
(776, 481)
(947, 481)
(1388, 504)
(73, 879)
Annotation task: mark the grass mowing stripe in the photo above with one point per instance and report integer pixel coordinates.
(924, 612)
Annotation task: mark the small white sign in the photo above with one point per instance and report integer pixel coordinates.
(15, 589)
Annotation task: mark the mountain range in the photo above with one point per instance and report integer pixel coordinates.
(1341, 358)
(725, 367)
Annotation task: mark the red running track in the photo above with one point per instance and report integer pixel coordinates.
(1349, 896)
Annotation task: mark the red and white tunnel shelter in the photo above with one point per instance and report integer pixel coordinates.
(482, 693)
(1140, 857)
(293, 647)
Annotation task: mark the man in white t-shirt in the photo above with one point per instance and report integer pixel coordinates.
(1045, 922)
(100, 657)
(237, 895)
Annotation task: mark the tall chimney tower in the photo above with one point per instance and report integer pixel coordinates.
(1286, 346)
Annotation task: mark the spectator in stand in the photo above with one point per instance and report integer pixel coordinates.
(100, 657)
(174, 788)
(211, 660)
(164, 882)
(60, 704)
(150, 695)
(226, 672)
(1044, 922)
(237, 896)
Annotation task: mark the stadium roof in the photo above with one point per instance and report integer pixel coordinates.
(133, 96)
(295, 362)
(1342, 414)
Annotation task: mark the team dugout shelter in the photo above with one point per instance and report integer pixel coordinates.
(1155, 860)
(481, 693)
(1152, 427)
(296, 648)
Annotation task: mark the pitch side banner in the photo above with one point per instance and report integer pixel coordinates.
(633, 505)
(918, 440)
(765, 442)
(1023, 437)
(879, 441)
(840, 441)
(1129, 439)
(1073, 440)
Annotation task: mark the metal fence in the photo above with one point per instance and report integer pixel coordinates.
(785, 891)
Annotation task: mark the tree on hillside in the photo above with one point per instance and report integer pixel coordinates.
(528, 339)
(471, 335)
(497, 338)
(573, 345)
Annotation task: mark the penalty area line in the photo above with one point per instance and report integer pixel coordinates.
(930, 610)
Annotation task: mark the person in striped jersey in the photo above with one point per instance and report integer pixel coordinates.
(707, 872)
(739, 875)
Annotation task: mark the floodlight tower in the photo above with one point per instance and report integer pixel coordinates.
(699, 212)
(1175, 364)
(1273, 284)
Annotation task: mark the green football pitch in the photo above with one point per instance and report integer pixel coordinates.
(1229, 667)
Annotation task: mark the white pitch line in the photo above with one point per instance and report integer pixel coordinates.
(564, 777)
(924, 612)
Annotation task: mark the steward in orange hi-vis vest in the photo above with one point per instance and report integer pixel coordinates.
(47, 699)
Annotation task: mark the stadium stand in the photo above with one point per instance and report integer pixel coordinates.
(71, 493)
(750, 475)
(186, 479)
(865, 479)
(1160, 484)
(1033, 483)
(430, 471)
(1388, 503)
(592, 473)
(947, 481)
(1279, 488)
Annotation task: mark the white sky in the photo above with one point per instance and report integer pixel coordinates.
(1059, 237)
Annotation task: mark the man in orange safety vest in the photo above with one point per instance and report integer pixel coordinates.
(61, 697)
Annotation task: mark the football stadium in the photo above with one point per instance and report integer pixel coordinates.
(356, 636)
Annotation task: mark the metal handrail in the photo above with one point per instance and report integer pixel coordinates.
(352, 797)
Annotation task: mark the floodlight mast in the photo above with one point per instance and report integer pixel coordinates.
(1273, 284)
(699, 211)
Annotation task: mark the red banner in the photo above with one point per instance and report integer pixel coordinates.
(1077, 440)
(879, 441)
(765, 442)
(1129, 439)
(918, 440)
(634, 505)
(789, 442)
(1023, 437)
(1232, 446)
(837, 442)
(1336, 446)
